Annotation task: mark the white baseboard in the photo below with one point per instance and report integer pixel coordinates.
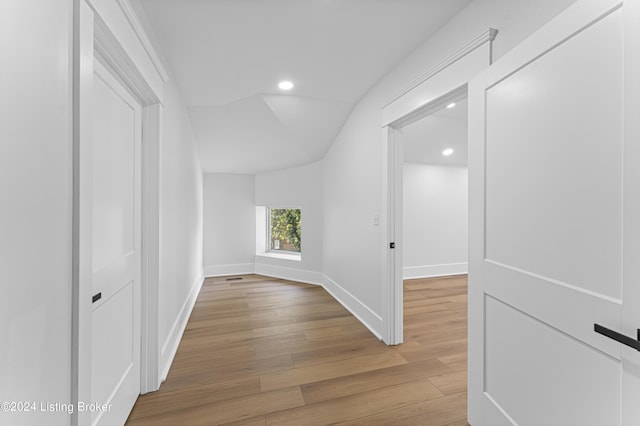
(170, 346)
(366, 316)
(233, 269)
(287, 273)
(427, 271)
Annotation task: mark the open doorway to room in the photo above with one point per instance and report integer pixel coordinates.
(435, 211)
(435, 236)
(427, 95)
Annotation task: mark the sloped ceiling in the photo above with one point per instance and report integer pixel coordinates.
(266, 132)
(227, 56)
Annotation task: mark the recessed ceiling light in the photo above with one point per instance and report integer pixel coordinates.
(447, 152)
(285, 85)
(451, 105)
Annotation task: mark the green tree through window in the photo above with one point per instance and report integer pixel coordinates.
(286, 228)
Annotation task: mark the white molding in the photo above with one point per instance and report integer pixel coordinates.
(82, 270)
(486, 36)
(362, 312)
(127, 47)
(393, 294)
(171, 343)
(138, 29)
(428, 271)
(287, 273)
(296, 257)
(114, 55)
(387, 225)
(150, 302)
(452, 74)
(231, 269)
(455, 95)
(631, 246)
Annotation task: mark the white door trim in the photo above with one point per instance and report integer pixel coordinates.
(446, 82)
(631, 240)
(92, 38)
(393, 318)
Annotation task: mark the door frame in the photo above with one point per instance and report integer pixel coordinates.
(95, 25)
(631, 242)
(430, 92)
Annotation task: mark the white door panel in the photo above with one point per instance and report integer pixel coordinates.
(115, 127)
(549, 210)
(110, 278)
(559, 214)
(115, 378)
(550, 381)
(114, 354)
(564, 308)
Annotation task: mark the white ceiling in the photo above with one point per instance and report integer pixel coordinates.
(425, 139)
(227, 57)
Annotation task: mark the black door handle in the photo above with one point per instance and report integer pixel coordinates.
(626, 340)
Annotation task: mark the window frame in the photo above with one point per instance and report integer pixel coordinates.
(268, 249)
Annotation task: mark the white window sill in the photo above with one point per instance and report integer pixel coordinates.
(286, 256)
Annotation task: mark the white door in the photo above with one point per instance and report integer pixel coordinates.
(554, 170)
(115, 378)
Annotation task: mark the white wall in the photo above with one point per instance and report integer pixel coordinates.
(295, 187)
(35, 206)
(353, 166)
(435, 220)
(181, 230)
(229, 224)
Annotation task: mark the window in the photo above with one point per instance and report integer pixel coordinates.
(285, 226)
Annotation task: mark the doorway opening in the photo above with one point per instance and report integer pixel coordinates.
(433, 91)
(435, 193)
(435, 222)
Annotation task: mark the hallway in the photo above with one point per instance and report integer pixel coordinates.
(264, 351)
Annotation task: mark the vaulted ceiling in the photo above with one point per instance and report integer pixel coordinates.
(227, 57)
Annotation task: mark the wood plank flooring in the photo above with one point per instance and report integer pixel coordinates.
(263, 351)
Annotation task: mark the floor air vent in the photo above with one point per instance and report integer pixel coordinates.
(233, 279)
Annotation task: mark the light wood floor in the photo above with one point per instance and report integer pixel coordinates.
(262, 351)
